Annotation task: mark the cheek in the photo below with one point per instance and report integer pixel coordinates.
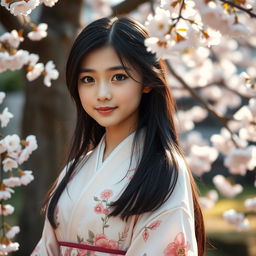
(84, 98)
(132, 97)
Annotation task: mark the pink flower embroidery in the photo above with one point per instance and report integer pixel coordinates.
(105, 211)
(130, 174)
(67, 251)
(154, 225)
(82, 252)
(145, 235)
(98, 208)
(106, 194)
(102, 241)
(177, 248)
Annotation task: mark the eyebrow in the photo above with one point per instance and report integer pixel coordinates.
(84, 70)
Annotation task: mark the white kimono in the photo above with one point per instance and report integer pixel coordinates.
(83, 225)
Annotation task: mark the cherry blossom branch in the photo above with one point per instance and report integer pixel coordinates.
(222, 84)
(237, 6)
(177, 19)
(223, 119)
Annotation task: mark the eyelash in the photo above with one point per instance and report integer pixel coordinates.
(124, 77)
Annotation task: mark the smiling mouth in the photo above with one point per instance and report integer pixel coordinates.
(105, 110)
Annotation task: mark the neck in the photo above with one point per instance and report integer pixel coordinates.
(113, 137)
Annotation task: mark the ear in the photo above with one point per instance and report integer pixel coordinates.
(147, 89)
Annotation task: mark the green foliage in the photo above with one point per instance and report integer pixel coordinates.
(12, 81)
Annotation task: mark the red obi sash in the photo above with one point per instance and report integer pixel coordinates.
(92, 248)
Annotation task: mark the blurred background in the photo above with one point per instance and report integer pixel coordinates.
(49, 114)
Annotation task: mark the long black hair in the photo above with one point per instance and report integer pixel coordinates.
(157, 170)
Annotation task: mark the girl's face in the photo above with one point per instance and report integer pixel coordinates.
(106, 91)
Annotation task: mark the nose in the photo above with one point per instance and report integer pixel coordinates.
(103, 92)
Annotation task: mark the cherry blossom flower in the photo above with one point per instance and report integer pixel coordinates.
(39, 32)
(200, 158)
(23, 7)
(32, 59)
(178, 247)
(12, 182)
(35, 71)
(2, 96)
(49, 3)
(106, 194)
(208, 201)
(241, 159)
(5, 193)
(12, 232)
(6, 209)
(15, 61)
(9, 164)
(250, 204)
(162, 48)
(31, 143)
(12, 142)
(225, 187)
(237, 219)
(250, 80)
(13, 38)
(50, 73)
(223, 142)
(5, 117)
(26, 177)
(10, 247)
(24, 155)
(158, 24)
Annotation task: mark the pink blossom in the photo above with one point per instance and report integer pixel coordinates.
(106, 194)
(102, 241)
(5, 117)
(50, 73)
(145, 235)
(225, 187)
(23, 7)
(105, 211)
(49, 3)
(177, 248)
(38, 32)
(99, 208)
(154, 225)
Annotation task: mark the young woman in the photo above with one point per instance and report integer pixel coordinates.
(126, 189)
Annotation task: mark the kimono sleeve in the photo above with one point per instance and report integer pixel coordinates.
(169, 234)
(48, 244)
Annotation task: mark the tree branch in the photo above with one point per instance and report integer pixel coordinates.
(237, 6)
(9, 21)
(223, 119)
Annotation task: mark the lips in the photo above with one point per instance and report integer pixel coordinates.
(105, 108)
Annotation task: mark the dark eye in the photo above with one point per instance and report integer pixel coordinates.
(87, 79)
(120, 77)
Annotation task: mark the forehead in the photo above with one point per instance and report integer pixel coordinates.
(100, 58)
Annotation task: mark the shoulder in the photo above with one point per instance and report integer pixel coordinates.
(67, 166)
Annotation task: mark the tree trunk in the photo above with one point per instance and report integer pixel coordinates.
(48, 114)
